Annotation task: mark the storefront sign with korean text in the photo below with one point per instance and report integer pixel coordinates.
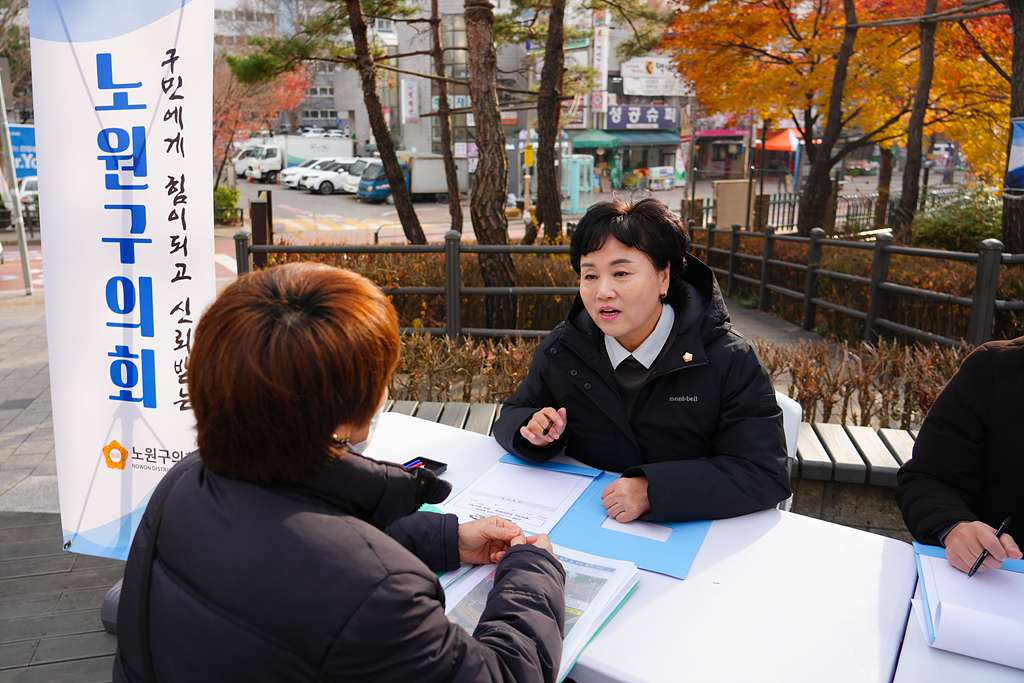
(642, 116)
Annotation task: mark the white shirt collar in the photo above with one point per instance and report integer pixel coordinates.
(651, 347)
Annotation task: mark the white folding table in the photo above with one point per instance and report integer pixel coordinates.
(920, 663)
(772, 596)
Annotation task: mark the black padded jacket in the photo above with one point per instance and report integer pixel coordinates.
(303, 583)
(705, 429)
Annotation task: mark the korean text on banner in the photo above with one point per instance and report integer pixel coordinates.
(123, 101)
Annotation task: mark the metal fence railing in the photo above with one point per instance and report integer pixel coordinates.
(452, 290)
(983, 304)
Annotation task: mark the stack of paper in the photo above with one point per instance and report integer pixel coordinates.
(534, 497)
(981, 616)
(594, 589)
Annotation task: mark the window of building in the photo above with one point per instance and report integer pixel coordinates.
(384, 25)
(453, 34)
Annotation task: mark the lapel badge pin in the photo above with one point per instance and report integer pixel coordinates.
(687, 356)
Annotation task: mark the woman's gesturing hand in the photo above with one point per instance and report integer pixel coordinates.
(544, 428)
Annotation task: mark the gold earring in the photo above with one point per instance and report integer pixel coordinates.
(664, 294)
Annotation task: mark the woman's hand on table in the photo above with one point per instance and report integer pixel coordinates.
(968, 540)
(485, 540)
(540, 540)
(625, 499)
(546, 419)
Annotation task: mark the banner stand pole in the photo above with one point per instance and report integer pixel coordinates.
(12, 177)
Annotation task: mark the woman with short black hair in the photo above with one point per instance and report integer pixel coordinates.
(646, 377)
(276, 552)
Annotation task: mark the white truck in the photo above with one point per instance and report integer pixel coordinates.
(424, 176)
(275, 154)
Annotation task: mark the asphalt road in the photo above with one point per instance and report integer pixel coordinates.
(302, 216)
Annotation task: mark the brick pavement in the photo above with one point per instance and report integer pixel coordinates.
(28, 471)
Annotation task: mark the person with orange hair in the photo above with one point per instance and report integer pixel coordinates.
(277, 552)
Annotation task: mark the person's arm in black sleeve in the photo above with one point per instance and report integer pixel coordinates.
(532, 395)
(746, 473)
(938, 486)
(400, 633)
(432, 537)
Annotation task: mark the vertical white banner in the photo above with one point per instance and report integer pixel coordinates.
(123, 104)
(601, 47)
(410, 101)
(683, 152)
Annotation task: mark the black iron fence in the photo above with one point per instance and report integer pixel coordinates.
(983, 304)
(452, 290)
(854, 213)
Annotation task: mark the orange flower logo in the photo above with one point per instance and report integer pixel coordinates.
(116, 455)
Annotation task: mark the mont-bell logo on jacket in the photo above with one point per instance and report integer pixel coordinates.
(682, 398)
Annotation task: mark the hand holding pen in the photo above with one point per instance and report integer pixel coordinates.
(984, 553)
(545, 427)
(976, 544)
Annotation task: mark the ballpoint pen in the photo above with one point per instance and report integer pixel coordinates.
(551, 423)
(984, 553)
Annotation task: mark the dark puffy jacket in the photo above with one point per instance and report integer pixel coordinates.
(706, 429)
(968, 462)
(302, 583)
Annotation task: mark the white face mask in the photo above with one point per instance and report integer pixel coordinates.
(362, 445)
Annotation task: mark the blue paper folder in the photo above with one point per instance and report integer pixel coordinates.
(580, 529)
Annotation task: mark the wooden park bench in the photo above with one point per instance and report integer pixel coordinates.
(825, 452)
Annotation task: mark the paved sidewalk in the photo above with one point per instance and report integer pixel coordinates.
(28, 475)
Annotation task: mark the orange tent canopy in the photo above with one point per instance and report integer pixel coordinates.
(786, 140)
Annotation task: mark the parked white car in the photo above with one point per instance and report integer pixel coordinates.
(28, 188)
(325, 180)
(241, 162)
(340, 177)
(290, 177)
(355, 173)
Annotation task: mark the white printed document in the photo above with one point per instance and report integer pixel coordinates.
(981, 616)
(532, 497)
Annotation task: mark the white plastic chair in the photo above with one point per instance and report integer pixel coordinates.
(791, 414)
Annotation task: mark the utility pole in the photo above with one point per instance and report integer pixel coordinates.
(12, 177)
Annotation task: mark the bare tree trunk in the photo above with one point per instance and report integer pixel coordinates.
(487, 204)
(385, 145)
(549, 106)
(1013, 209)
(454, 196)
(884, 184)
(915, 131)
(814, 200)
(224, 159)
